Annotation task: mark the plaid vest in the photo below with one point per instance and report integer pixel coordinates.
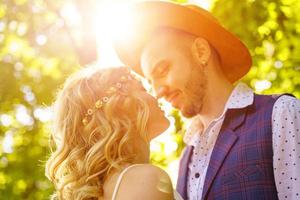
(241, 164)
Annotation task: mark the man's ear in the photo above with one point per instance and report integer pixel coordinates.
(201, 51)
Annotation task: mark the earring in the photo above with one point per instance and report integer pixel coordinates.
(203, 63)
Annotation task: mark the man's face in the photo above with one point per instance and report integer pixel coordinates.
(167, 62)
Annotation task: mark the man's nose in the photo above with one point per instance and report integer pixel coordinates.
(161, 91)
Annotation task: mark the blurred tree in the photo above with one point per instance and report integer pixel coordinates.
(41, 44)
(37, 52)
(271, 30)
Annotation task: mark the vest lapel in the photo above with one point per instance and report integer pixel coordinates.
(183, 172)
(225, 141)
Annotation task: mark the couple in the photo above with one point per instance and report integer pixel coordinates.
(240, 145)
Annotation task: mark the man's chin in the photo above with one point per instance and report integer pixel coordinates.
(188, 112)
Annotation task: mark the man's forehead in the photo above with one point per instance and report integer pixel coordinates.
(154, 50)
(160, 38)
(159, 45)
(148, 58)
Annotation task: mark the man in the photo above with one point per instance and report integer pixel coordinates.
(240, 145)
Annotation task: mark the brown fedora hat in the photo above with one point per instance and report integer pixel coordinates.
(148, 16)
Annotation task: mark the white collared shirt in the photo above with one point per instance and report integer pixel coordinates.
(286, 143)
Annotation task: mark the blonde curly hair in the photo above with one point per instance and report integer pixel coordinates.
(85, 155)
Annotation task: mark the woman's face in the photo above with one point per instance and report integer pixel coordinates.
(157, 122)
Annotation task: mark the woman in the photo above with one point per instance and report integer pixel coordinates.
(103, 123)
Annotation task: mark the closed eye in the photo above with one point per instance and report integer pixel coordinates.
(161, 69)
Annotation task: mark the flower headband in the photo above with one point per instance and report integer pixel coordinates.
(112, 90)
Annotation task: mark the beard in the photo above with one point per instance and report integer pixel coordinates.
(195, 90)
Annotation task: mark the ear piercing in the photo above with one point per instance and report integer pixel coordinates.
(203, 63)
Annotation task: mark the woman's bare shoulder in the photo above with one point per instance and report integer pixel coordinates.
(145, 182)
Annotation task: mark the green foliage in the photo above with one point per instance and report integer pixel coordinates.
(164, 159)
(270, 29)
(38, 51)
(33, 63)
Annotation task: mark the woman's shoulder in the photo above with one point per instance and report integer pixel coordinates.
(146, 170)
(145, 181)
(147, 173)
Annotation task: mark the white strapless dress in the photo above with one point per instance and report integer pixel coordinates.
(176, 194)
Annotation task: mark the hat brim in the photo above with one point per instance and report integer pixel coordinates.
(151, 15)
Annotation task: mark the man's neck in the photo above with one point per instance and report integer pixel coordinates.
(217, 95)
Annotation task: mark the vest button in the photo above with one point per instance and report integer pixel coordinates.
(197, 175)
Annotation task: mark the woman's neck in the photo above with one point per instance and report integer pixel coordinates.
(141, 151)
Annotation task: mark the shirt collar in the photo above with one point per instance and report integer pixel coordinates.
(241, 97)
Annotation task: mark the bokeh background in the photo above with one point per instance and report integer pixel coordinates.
(43, 41)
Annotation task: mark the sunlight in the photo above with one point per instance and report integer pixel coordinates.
(44, 114)
(41, 39)
(6, 120)
(262, 85)
(206, 4)
(14, 46)
(114, 21)
(70, 13)
(172, 170)
(7, 143)
(23, 116)
(2, 26)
